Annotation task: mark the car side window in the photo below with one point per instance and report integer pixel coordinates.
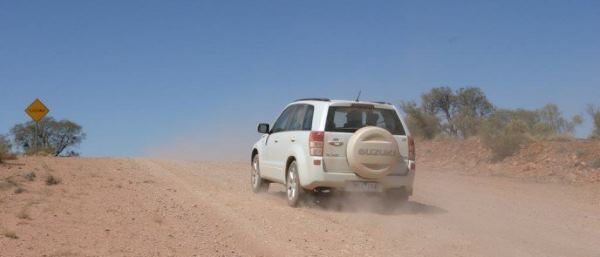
(298, 118)
(282, 122)
(308, 117)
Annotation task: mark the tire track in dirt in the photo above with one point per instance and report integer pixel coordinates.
(142, 207)
(467, 216)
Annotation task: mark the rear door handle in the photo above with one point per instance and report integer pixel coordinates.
(276, 140)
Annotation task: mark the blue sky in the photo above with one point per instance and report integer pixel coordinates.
(147, 75)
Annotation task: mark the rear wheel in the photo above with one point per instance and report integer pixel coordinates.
(259, 185)
(293, 189)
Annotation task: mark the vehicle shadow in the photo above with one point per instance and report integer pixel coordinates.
(360, 203)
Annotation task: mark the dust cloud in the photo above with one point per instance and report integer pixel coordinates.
(217, 144)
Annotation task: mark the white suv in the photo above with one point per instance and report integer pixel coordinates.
(319, 144)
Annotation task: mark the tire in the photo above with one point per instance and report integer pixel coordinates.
(259, 185)
(372, 152)
(294, 191)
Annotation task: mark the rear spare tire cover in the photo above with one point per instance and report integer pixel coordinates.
(372, 152)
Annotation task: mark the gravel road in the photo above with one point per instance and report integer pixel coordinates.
(143, 207)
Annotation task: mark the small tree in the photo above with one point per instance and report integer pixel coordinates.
(461, 111)
(420, 122)
(47, 136)
(472, 106)
(552, 122)
(5, 147)
(594, 112)
(440, 100)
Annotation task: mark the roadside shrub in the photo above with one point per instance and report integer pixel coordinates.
(4, 185)
(420, 123)
(596, 164)
(30, 176)
(23, 214)
(467, 125)
(594, 112)
(5, 147)
(503, 134)
(472, 107)
(459, 112)
(579, 153)
(444, 112)
(47, 137)
(51, 180)
(505, 131)
(10, 234)
(550, 123)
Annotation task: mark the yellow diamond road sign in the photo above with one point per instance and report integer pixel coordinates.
(37, 110)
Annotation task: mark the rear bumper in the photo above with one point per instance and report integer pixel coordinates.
(315, 177)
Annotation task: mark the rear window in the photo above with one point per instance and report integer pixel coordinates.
(352, 118)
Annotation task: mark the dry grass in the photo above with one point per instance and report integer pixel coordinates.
(579, 153)
(5, 185)
(19, 190)
(11, 181)
(7, 157)
(24, 214)
(30, 176)
(51, 180)
(10, 234)
(595, 164)
(8, 183)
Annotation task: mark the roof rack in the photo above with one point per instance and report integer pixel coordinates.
(381, 102)
(314, 99)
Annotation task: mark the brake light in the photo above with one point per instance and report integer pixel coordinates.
(315, 143)
(411, 149)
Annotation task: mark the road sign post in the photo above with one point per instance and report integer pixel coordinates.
(37, 111)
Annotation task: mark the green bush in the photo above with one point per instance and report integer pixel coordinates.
(48, 136)
(505, 131)
(460, 112)
(594, 112)
(5, 147)
(503, 134)
(419, 122)
(596, 164)
(551, 123)
(51, 180)
(444, 112)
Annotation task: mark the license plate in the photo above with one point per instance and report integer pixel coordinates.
(362, 186)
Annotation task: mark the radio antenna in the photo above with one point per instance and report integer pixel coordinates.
(357, 97)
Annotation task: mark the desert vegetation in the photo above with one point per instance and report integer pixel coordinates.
(52, 180)
(46, 137)
(467, 112)
(446, 112)
(5, 148)
(594, 112)
(10, 234)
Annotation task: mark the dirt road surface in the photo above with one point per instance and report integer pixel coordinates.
(141, 207)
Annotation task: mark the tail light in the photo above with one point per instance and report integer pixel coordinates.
(411, 149)
(315, 143)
